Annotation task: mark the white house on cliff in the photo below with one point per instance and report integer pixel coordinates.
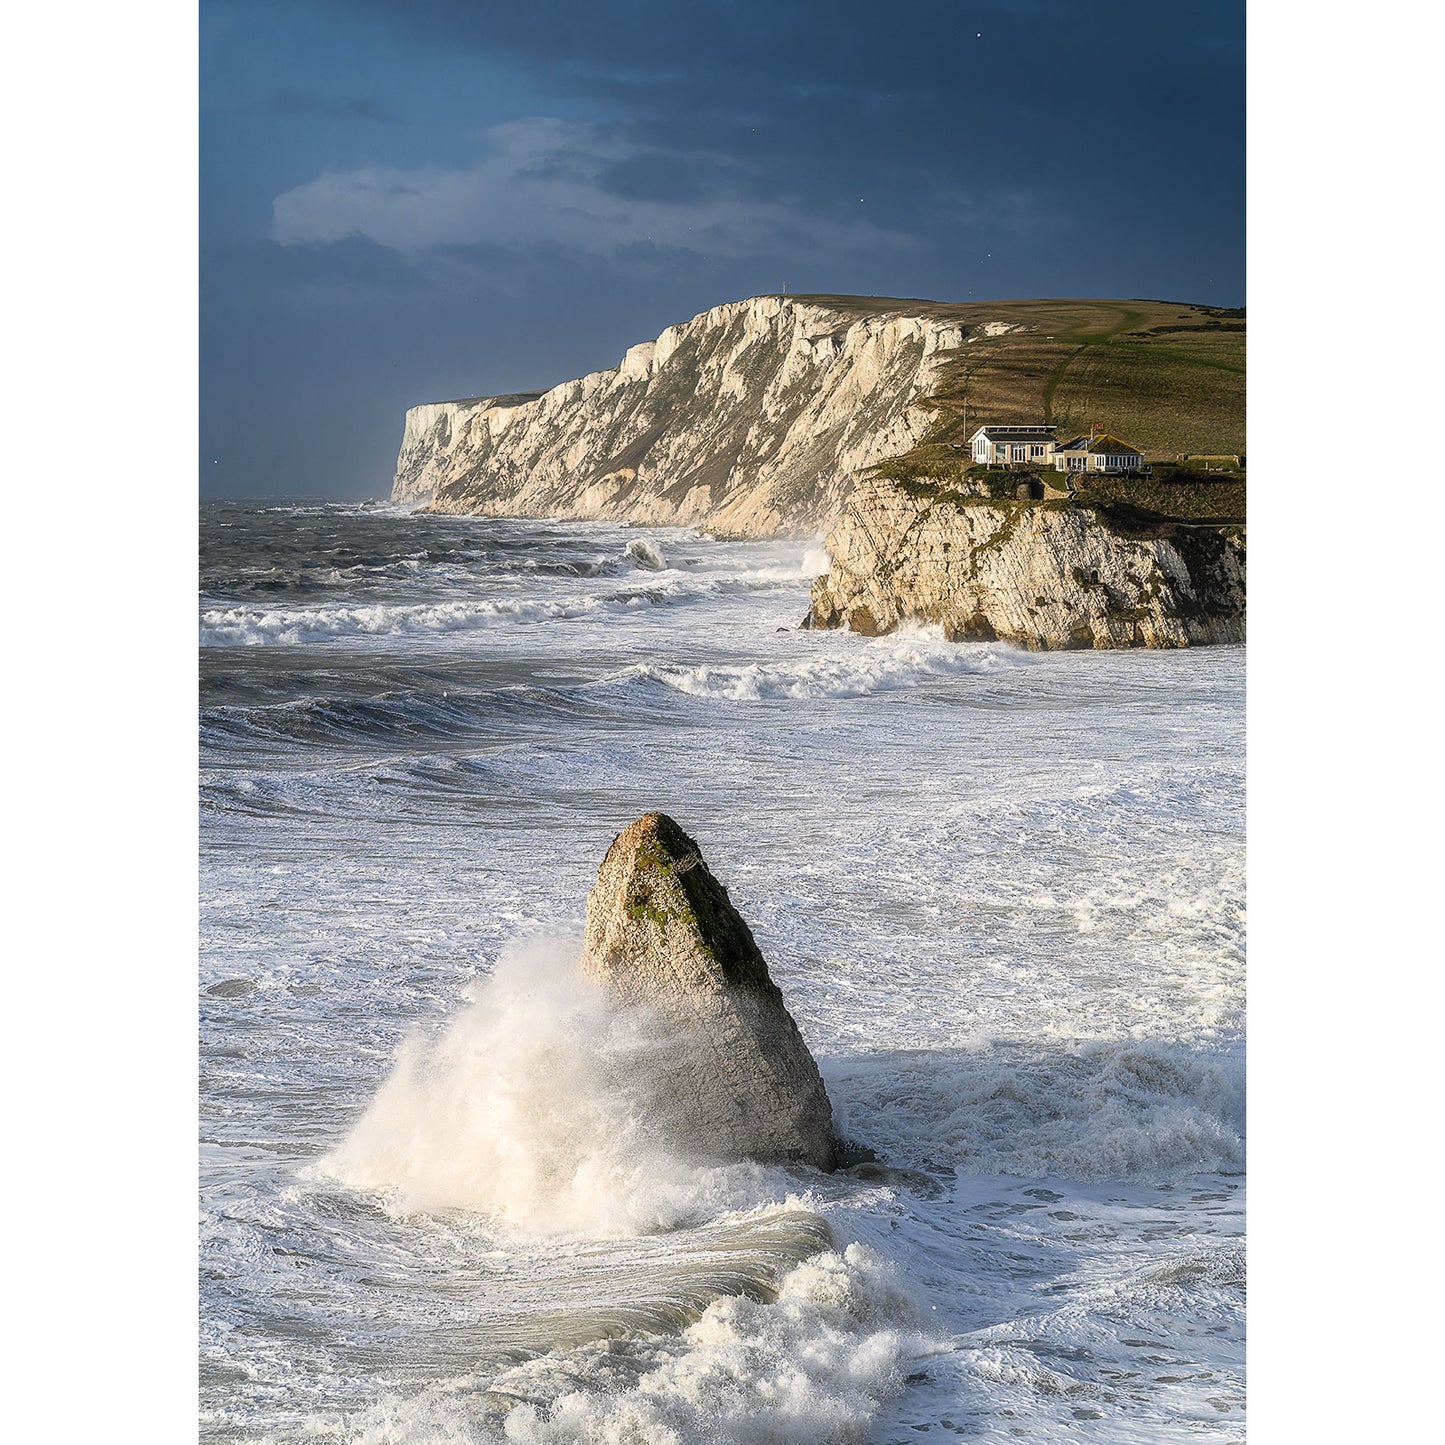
(1013, 444)
(1034, 445)
(1097, 454)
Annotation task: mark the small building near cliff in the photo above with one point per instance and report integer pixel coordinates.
(1012, 445)
(1092, 453)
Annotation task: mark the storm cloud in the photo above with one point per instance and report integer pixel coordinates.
(574, 185)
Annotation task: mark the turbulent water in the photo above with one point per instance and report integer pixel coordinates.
(1002, 894)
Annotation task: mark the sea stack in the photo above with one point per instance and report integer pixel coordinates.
(736, 1080)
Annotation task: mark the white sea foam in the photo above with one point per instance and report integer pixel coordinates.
(847, 668)
(526, 1109)
(1001, 892)
(811, 1368)
(250, 627)
(814, 1366)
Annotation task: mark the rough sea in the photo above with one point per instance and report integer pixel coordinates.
(1003, 896)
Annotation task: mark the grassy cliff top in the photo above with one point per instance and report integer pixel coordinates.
(1165, 376)
(1131, 505)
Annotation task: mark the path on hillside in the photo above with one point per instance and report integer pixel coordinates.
(1130, 319)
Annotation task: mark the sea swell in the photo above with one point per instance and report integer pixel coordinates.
(1123, 1110)
(819, 668)
(394, 717)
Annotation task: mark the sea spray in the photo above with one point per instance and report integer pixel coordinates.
(530, 1107)
(746, 1324)
(645, 555)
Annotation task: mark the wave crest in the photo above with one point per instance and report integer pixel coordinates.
(816, 1364)
(887, 665)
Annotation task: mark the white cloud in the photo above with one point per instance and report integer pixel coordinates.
(540, 181)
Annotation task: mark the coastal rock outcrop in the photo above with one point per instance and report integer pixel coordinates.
(1051, 575)
(736, 1080)
(749, 420)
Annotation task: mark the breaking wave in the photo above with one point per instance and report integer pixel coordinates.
(296, 626)
(645, 555)
(251, 627)
(528, 1109)
(889, 664)
(811, 1367)
(743, 1320)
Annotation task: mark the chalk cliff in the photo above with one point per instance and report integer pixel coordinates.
(749, 420)
(1047, 575)
(735, 1079)
(426, 440)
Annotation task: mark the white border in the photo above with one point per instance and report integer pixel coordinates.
(99, 113)
(99, 118)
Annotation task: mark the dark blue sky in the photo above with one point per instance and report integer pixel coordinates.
(405, 202)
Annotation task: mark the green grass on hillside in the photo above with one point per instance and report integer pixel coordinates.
(1221, 502)
(1166, 376)
(1137, 510)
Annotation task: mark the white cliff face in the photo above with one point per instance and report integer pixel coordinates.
(428, 436)
(749, 420)
(1046, 576)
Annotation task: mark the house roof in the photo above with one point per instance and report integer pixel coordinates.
(1105, 443)
(1014, 433)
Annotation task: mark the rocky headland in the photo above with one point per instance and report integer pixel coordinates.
(1046, 575)
(733, 1078)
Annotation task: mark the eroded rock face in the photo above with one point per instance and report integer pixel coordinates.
(737, 1080)
(1042, 577)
